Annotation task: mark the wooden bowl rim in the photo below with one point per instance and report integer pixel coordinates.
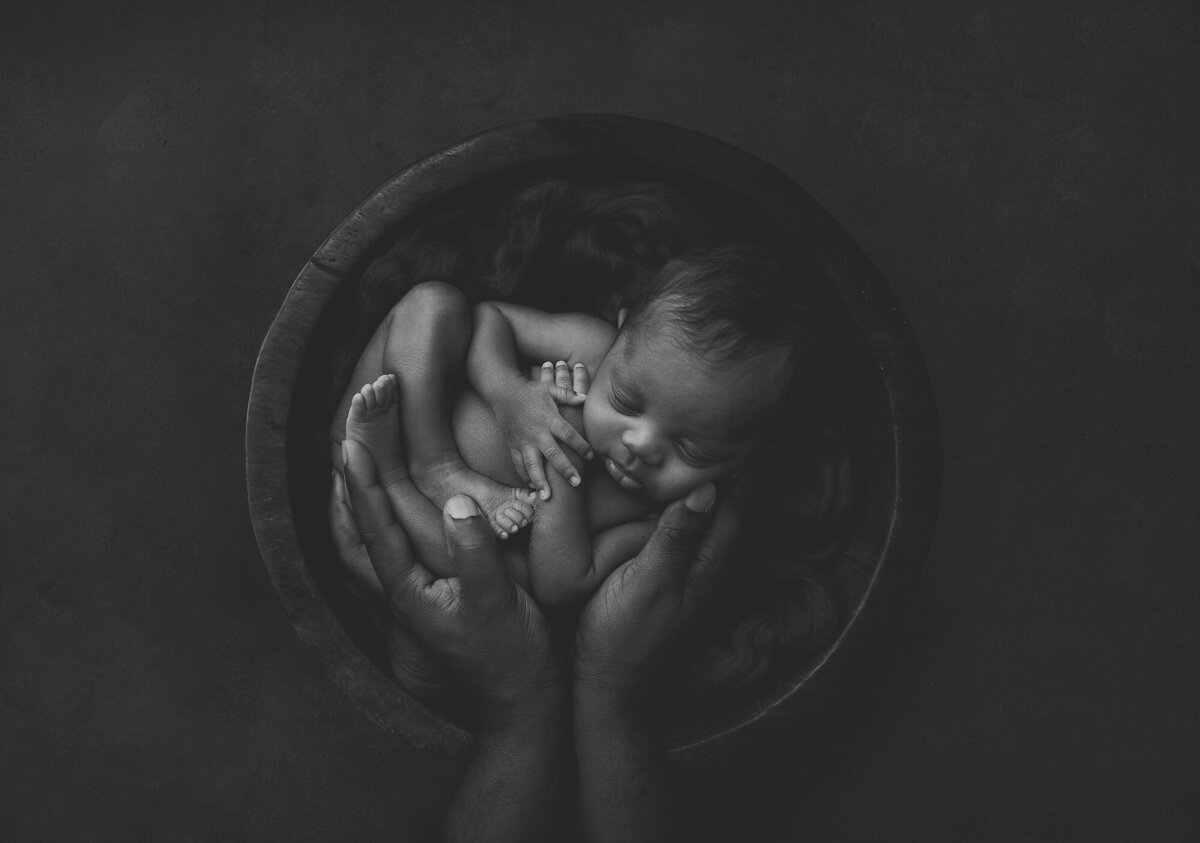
(574, 139)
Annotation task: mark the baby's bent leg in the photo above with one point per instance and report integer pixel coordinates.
(427, 342)
(374, 422)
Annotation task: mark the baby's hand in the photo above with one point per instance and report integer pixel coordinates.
(534, 426)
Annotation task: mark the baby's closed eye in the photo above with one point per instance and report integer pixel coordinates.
(692, 454)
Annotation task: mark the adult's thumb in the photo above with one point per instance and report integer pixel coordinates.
(680, 530)
(474, 552)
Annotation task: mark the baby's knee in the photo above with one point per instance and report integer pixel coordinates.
(434, 302)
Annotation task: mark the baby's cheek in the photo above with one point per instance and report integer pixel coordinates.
(687, 477)
(593, 422)
(674, 484)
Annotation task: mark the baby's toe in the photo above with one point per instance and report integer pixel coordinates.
(523, 507)
(507, 523)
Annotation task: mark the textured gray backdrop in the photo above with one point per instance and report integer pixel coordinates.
(1026, 174)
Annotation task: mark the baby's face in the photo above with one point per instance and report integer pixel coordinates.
(663, 421)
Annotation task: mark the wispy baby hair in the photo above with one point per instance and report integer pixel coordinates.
(739, 302)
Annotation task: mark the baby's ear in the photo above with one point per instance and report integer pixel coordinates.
(622, 314)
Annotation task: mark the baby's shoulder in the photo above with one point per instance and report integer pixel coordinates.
(593, 337)
(575, 337)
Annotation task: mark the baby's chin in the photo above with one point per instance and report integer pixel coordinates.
(647, 488)
(678, 492)
(668, 495)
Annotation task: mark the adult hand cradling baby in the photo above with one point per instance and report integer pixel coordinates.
(488, 632)
(442, 430)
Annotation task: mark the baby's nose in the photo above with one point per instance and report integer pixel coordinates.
(640, 441)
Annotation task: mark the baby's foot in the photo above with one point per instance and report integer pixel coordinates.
(374, 422)
(442, 477)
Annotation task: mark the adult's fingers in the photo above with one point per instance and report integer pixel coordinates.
(715, 554)
(346, 539)
(673, 545)
(348, 543)
(473, 549)
(387, 545)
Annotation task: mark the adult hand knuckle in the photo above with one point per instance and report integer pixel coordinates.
(676, 534)
(369, 533)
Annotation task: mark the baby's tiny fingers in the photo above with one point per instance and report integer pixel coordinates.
(562, 464)
(581, 379)
(565, 395)
(566, 432)
(519, 464)
(537, 474)
(562, 374)
(547, 373)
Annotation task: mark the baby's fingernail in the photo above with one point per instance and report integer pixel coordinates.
(544, 494)
(561, 363)
(702, 498)
(460, 507)
(582, 395)
(547, 365)
(574, 479)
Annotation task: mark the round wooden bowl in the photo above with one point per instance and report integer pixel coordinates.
(893, 419)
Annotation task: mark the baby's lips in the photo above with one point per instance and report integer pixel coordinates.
(624, 478)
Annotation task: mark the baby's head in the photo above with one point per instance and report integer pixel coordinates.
(723, 347)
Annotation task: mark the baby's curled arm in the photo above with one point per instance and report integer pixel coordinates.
(538, 335)
(566, 563)
(527, 410)
(560, 547)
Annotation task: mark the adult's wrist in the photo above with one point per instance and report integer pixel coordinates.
(624, 778)
(599, 696)
(535, 707)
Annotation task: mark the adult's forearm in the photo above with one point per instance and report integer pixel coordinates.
(624, 781)
(511, 790)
